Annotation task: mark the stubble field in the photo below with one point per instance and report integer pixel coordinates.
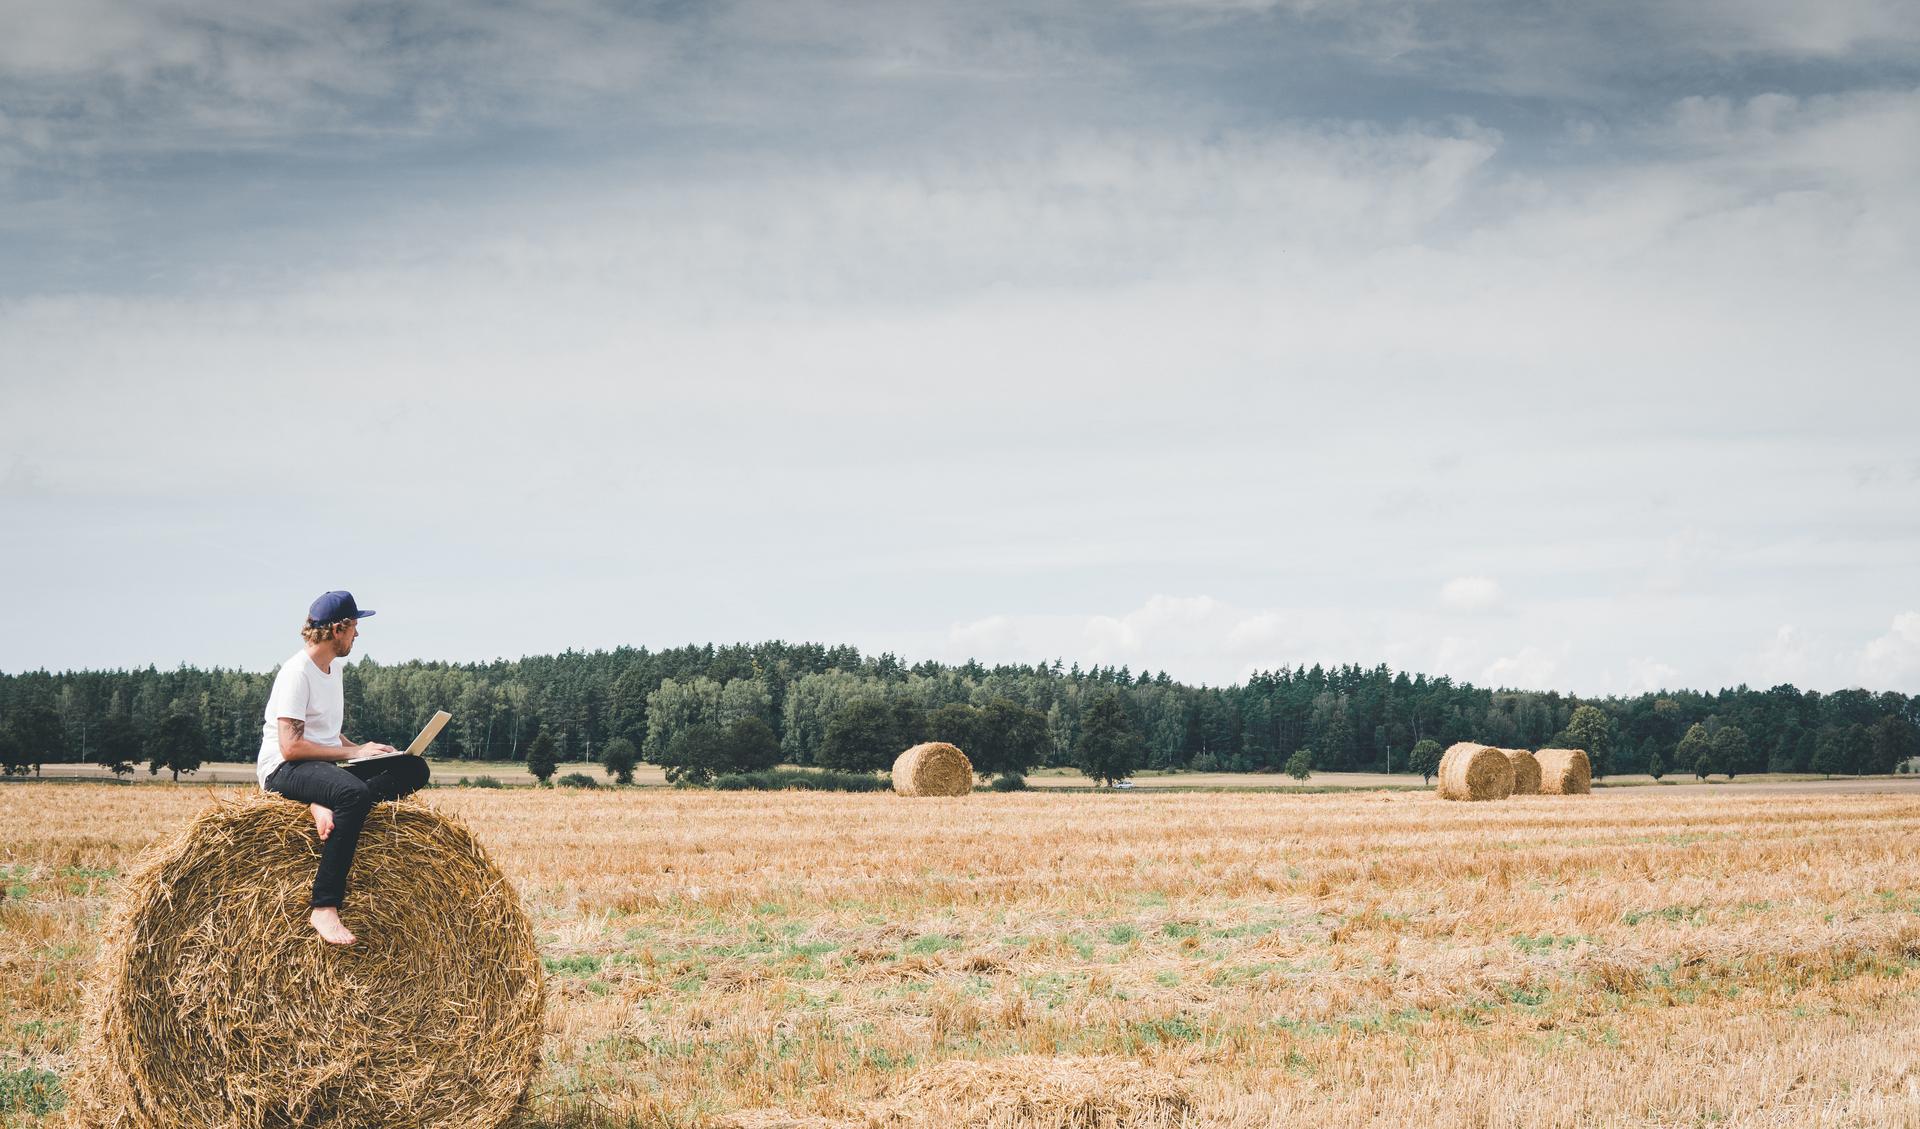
(1640, 957)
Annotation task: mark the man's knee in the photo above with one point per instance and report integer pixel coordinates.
(351, 794)
(418, 772)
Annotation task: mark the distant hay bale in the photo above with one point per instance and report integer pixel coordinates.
(216, 1006)
(1037, 1092)
(1526, 772)
(933, 769)
(1475, 772)
(1564, 772)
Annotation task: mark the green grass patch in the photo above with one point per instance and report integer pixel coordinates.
(1548, 942)
(1692, 915)
(31, 1091)
(574, 965)
(1169, 1030)
(931, 943)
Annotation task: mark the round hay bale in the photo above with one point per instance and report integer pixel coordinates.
(934, 768)
(1564, 772)
(216, 1006)
(1475, 772)
(1526, 772)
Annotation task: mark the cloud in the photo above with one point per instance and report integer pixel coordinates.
(1645, 675)
(1471, 594)
(1273, 302)
(1785, 658)
(1893, 660)
(1530, 668)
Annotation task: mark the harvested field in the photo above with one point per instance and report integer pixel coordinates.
(1647, 956)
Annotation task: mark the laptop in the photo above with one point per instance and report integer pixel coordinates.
(427, 734)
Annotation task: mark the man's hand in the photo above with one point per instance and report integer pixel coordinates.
(372, 747)
(322, 820)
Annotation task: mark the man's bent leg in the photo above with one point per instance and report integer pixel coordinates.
(331, 786)
(393, 778)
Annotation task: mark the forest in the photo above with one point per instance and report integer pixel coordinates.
(809, 704)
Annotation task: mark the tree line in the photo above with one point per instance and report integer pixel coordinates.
(704, 711)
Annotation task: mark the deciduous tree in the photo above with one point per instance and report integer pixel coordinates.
(1589, 729)
(1425, 758)
(178, 745)
(117, 745)
(1895, 741)
(696, 754)
(1694, 745)
(1730, 750)
(1011, 739)
(861, 737)
(751, 746)
(619, 758)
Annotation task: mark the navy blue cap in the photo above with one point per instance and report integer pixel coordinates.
(334, 607)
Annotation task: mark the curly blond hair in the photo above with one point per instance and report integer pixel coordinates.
(321, 632)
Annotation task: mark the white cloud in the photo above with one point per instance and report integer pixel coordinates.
(1530, 668)
(1645, 675)
(1786, 658)
(1892, 661)
(1471, 594)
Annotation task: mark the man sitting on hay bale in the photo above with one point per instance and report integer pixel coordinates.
(301, 750)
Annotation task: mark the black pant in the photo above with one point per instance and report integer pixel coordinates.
(350, 790)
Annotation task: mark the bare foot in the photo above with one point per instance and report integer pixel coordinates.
(322, 820)
(326, 921)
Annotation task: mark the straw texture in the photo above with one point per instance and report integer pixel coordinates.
(1565, 772)
(933, 769)
(215, 1005)
(1020, 1092)
(1475, 772)
(1037, 1092)
(1526, 772)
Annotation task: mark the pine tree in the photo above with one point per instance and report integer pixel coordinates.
(1110, 748)
(541, 759)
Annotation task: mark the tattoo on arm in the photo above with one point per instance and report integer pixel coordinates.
(299, 729)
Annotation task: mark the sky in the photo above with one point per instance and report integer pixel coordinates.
(1542, 345)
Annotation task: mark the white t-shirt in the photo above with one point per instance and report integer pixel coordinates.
(304, 692)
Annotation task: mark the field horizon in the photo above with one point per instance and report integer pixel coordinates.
(514, 774)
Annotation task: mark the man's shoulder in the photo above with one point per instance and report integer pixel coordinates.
(295, 667)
